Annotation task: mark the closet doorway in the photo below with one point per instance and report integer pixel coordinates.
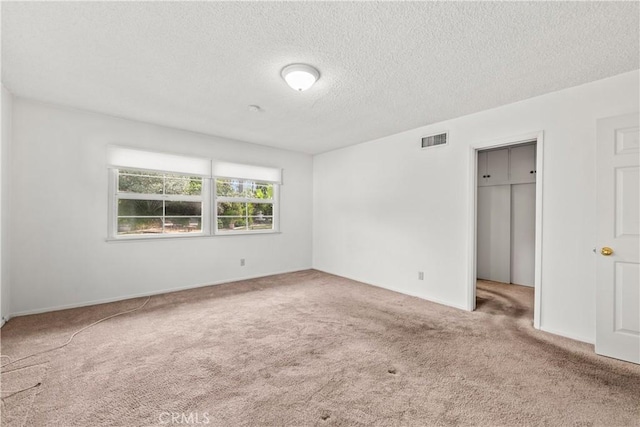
(506, 230)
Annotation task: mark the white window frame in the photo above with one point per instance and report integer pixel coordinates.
(127, 158)
(114, 196)
(275, 202)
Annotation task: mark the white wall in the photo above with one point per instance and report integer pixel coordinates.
(59, 214)
(386, 209)
(5, 169)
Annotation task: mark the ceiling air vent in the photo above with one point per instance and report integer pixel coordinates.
(435, 140)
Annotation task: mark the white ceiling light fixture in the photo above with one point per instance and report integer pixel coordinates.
(300, 76)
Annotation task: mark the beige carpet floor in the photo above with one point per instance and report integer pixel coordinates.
(310, 348)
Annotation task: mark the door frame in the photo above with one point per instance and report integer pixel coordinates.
(538, 138)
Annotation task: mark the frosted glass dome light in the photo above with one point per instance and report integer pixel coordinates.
(300, 76)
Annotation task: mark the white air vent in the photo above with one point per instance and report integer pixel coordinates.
(435, 140)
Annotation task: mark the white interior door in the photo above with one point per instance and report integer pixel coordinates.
(618, 213)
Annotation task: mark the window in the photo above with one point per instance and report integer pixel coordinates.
(156, 195)
(158, 203)
(244, 205)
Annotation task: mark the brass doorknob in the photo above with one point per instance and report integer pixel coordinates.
(606, 251)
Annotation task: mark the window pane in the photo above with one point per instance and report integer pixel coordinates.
(139, 207)
(237, 223)
(263, 191)
(259, 209)
(139, 225)
(260, 223)
(183, 225)
(229, 187)
(244, 188)
(140, 182)
(191, 186)
(183, 208)
(232, 209)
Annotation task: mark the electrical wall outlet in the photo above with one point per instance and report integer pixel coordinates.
(420, 275)
(241, 262)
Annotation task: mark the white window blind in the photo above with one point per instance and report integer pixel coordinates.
(129, 158)
(249, 172)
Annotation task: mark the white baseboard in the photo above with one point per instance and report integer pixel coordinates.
(448, 304)
(146, 294)
(566, 335)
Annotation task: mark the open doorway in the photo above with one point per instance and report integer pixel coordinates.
(507, 227)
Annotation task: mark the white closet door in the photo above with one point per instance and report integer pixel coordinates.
(482, 168)
(522, 166)
(523, 234)
(498, 167)
(494, 233)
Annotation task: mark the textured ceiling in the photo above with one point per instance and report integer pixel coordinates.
(385, 67)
